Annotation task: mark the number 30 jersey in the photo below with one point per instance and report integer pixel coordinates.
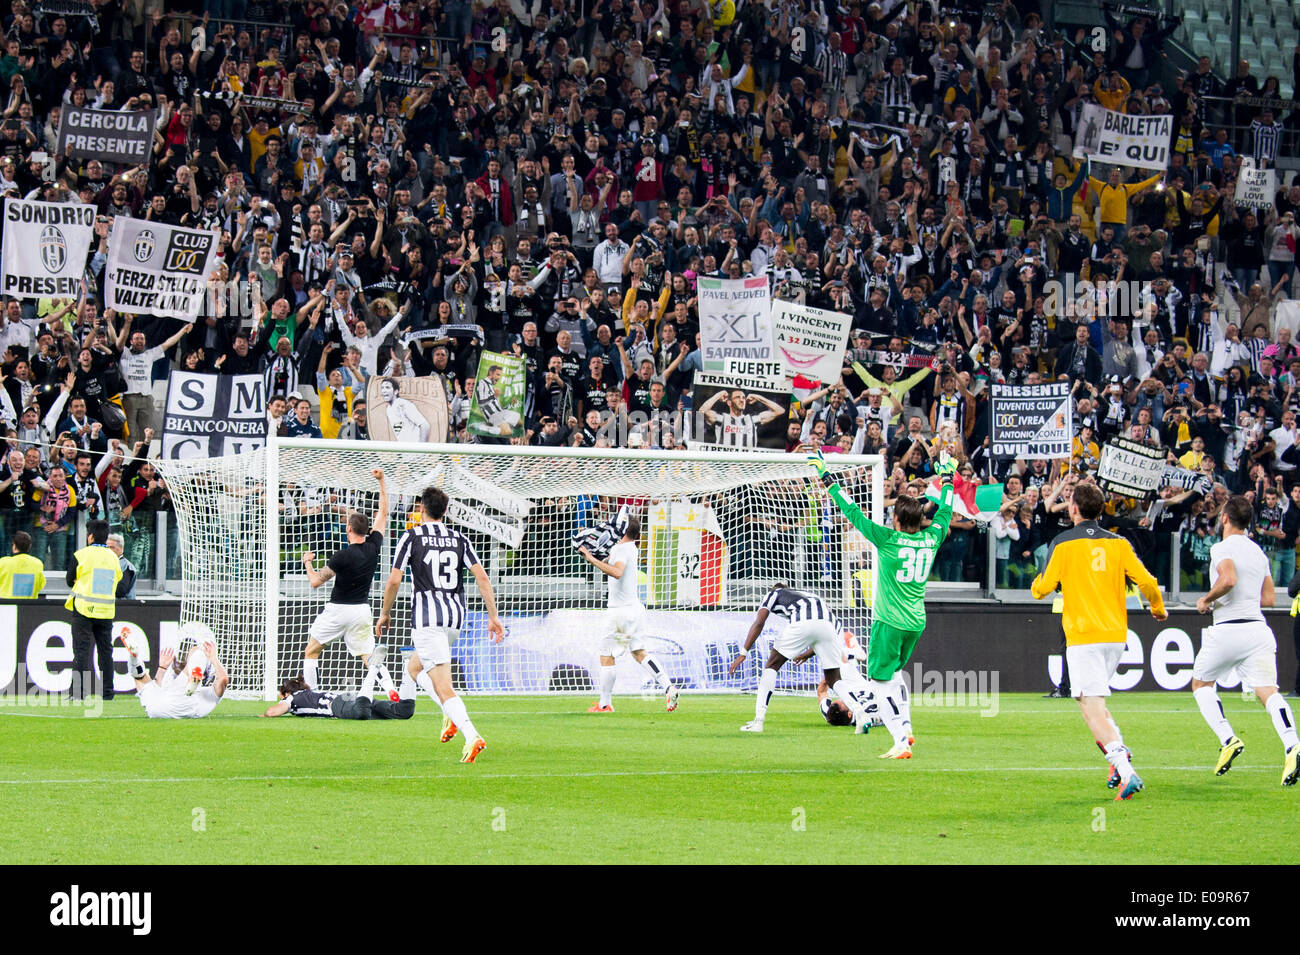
(438, 557)
(905, 560)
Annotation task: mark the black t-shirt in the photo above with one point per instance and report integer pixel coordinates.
(18, 495)
(354, 569)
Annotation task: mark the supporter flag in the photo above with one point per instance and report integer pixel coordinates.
(975, 502)
(687, 556)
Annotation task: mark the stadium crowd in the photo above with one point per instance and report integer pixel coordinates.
(424, 180)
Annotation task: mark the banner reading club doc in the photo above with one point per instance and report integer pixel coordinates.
(158, 269)
(1032, 421)
(45, 248)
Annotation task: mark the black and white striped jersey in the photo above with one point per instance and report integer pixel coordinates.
(311, 703)
(736, 430)
(438, 557)
(797, 606)
(489, 405)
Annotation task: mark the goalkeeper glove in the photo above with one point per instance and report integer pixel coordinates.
(818, 464)
(946, 468)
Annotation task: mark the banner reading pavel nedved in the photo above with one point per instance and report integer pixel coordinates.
(1031, 421)
(157, 269)
(1118, 138)
(213, 415)
(735, 321)
(105, 134)
(45, 248)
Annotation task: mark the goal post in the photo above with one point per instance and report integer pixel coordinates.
(718, 528)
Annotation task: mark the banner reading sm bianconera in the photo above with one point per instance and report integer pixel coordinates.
(1123, 140)
(1031, 421)
(105, 134)
(157, 269)
(735, 321)
(209, 415)
(45, 248)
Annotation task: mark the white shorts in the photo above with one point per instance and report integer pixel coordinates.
(177, 705)
(623, 630)
(820, 636)
(350, 621)
(509, 418)
(1091, 667)
(1248, 648)
(433, 645)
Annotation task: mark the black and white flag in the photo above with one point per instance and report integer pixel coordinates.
(158, 269)
(45, 248)
(211, 416)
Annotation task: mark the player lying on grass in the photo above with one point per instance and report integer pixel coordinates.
(188, 689)
(624, 620)
(834, 710)
(347, 614)
(811, 629)
(299, 699)
(1240, 640)
(906, 553)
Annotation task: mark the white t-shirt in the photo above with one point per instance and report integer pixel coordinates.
(1242, 601)
(1282, 441)
(138, 370)
(622, 590)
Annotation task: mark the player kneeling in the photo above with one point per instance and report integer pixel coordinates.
(180, 689)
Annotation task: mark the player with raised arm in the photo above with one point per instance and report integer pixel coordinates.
(811, 629)
(347, 614)
(1092, 568)
(1240, 640)
(736, 427)
(625, 619)
(438, 557)
(906, 553)
(180, 690)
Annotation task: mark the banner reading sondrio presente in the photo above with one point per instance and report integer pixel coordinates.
(157, 269)
(46, 245)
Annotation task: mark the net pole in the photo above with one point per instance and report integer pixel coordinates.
(272, 569)
(877, 513)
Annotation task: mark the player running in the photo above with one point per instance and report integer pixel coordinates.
(179, 690)
(1092, 567)
(1240, 586)
(438, 557)
(625, 619)
(906, 554)
(347, 614)
(810, 626)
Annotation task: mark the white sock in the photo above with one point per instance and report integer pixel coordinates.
(1117, 756)
(1283, 720)
(137, 667)
(766, 687)
(368, 683)
(889, 710)
(855, 698)
(607, 678)
(385, 678)
(1119, 737)
(660, 677)
(309, 671)
(1212, 711)
(454, 707)
(904, 702)
(425, 682)
(407, 690)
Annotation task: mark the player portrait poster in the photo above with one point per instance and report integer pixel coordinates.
(745, 408)
(45, 248)
(411, 410)
(497, 407)
(735, 321)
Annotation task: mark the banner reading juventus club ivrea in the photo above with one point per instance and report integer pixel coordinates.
(45, 248)
(1031, 421)
(1123, 140)
(158, 269)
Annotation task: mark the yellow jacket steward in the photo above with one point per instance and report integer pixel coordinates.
(1092, 568)
(21, 575)
(93, 578)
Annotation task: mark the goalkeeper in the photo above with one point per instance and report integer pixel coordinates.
(906, 555)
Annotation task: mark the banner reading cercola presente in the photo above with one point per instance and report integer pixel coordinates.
(157, 269)
(747, 406)
(735, 321)
(1031, 421)
(46, 245)
(1120, 139)
(1130, 468)
(1255, 187)
(105, 134)
(213, 415)
(497, 408)
(810, 341)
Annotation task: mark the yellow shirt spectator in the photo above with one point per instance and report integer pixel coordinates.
(21, 574)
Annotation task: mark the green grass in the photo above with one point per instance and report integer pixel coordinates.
(640, 786)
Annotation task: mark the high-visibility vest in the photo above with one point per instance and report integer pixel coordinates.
(21, 575)
(94, 594)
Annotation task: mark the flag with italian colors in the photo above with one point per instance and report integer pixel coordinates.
(686, 557)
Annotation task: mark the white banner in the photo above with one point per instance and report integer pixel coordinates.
(1031, 421)
(811, 341)
(1130, 468)
(211, 416)
(46, 245)
(1255, 187)
(735, 321)
(1123, 140)
(158, 269)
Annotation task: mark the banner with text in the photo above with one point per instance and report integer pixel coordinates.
(499, 391)
(811, 341)
(46, 245)
(1130, 468)
(746, 406)
(158, 269)
(1120, 139)
(1031, 421)
(735, 321)
(106, 134)
(210, 416)
(1255, 187)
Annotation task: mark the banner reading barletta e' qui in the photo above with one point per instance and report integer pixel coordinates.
(106, 134)
(497, 408)
(810, 341)
(686, 556)
(735, 321)
(1031, 421)
(211, 415)
(1130, 468)
(1120, 139)
(46, 245)
(158, 269)
(747, 406)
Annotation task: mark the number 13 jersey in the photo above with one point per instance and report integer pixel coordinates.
(438, 557)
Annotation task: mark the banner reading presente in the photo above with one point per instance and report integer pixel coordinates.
(735, 321)
(1120, 139)
(108, 135)
(157, 269)
(46, 245)
(1031, 421)
(209, 415)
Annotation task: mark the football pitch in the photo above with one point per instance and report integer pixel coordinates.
(557, 785)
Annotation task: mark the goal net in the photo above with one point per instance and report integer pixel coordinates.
(717, 530)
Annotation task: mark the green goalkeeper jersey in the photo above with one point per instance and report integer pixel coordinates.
(905, 560)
